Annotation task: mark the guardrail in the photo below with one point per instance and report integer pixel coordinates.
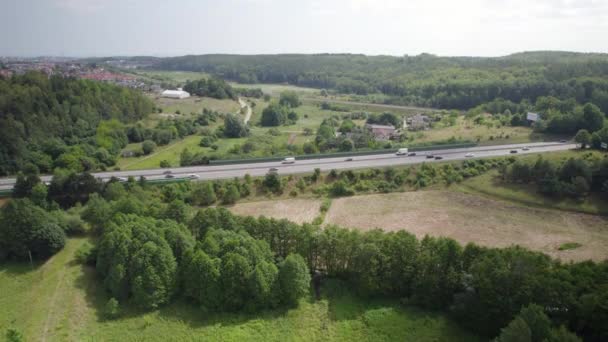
(339, 154)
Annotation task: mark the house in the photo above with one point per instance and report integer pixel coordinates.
(175, 94)
(381, 132)
(418, 122)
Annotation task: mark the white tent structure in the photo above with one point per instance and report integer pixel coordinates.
(175, 94)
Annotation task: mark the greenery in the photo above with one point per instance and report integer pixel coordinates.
(64, 122)
(63, 300)
(210, 87)
(425, 80)
(569, 245)
(574, 178)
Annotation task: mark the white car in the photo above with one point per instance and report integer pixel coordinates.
(122, 179)
(469, 155)
(193, 176)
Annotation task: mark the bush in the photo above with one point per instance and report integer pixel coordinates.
(165, 163)
(148, 147)
(86, 254)
(339, 188)
(112, 309)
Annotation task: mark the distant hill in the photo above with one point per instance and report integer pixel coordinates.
(424, 80)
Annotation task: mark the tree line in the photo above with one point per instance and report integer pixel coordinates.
(424, 80)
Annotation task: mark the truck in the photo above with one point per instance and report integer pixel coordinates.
(289, 160)
(402, 152)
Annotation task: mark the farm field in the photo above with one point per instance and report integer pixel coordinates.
(296, 210)
(472, 218)
(61, 300)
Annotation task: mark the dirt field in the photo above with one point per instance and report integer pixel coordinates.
(296, 210)
(471, 218)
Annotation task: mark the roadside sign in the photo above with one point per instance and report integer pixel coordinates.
(605, 146)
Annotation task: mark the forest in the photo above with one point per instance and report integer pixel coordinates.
(423, 80)
(64, 122)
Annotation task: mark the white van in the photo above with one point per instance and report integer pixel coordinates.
(289, 160)
(402, 152)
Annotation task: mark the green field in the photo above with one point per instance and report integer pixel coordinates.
(275, 90)
(60, 300)
(522, 193)
(171, 76)
(172, 152)
(195, 105)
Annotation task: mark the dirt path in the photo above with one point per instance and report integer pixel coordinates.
(248, 114)
(292, 138)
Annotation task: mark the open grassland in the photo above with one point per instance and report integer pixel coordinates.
(61, 300)
(296, 210)
(275, 90)
(465, 129)
(472, 218)
(195, 104)
(488, 184)
(172, 152)
(171, 76)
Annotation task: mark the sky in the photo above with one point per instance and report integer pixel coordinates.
(85, 28)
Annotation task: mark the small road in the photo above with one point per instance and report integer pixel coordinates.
(244, 104)
(210, 172)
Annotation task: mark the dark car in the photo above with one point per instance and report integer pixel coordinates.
(168, 172)
(348, 159)
(438, 157)
(563, 141)
(169, 176)
(411, 154)
(430, 156)
(273, 170)
(513, 151)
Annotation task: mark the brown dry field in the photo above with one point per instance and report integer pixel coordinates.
(296, 210)
(471, 218)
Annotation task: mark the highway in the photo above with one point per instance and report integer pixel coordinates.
(206, 172)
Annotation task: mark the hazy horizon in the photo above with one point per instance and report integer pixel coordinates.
(480, 28)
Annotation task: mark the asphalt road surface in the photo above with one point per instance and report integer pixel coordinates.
(325, 164)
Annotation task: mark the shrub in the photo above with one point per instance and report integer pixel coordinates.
(112, 309)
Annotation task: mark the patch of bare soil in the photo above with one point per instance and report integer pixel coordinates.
(471, 218)
(296, 210)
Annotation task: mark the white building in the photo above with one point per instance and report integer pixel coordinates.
(175, 94)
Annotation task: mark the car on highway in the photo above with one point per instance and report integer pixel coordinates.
(401, 152)
(168, 172)
(438, 157)
(430, 156)
(525, 148)
(273, 169)
(469, 155)
(563, 141)
(513, 151)
(348, 159)
(122, 179)
(193, 176)
(411, 154)
(289, 160)
(169, 176)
